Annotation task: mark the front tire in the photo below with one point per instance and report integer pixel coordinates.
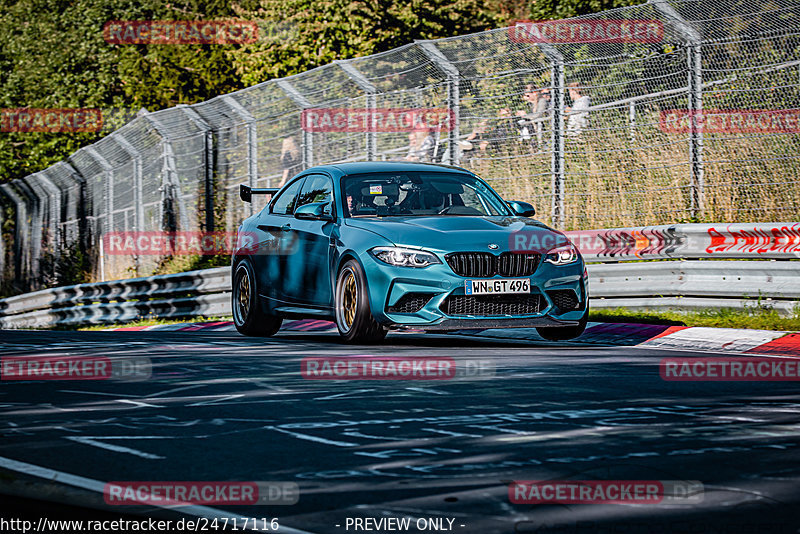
(353, 316)
(563, 333)
(248, 316)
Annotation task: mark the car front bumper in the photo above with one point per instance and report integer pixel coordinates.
(388, 285)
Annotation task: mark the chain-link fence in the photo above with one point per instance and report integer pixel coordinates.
(670, 111)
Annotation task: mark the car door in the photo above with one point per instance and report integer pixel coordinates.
(309, 268)
(276, 242)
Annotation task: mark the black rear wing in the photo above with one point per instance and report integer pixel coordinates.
(246, 193)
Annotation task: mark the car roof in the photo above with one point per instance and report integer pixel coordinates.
(358, 167)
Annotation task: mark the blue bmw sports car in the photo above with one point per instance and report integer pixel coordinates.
(376, 246)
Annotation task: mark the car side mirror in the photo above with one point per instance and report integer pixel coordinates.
(314, 211)
(522, 209)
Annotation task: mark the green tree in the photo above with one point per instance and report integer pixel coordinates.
(297, 35)
(53, 55)
(563, 9)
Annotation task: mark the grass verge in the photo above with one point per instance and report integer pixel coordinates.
(760, 318)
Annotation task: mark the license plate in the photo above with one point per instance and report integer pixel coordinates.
(502, 286)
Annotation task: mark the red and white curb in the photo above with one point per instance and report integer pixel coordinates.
(729, 340)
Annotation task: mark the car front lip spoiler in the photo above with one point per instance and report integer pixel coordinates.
(484, 323)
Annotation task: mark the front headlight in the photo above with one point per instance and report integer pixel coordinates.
(404, 257)
(562, 255)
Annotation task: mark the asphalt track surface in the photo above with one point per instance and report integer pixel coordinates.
(220, 406)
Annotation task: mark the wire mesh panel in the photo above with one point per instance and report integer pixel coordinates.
(505, 112)
(68, 182)
(668, 111)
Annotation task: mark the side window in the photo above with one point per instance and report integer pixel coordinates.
(285, 202)
(317, 188)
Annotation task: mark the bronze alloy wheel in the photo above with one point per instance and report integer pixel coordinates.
(346, 299)
(351, 307)
(242, 296)
(249, 316)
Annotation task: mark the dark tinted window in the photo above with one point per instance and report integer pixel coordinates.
(317, 188)
(285, 203)
(419, 194)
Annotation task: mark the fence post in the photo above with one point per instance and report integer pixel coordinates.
(22, 257)
(2, 244)
(138, 197)
(83, 234)
(632, 120)
(557, 161)
(303, 103)
(35, 229)
(171, 193)
(370, 91)
(694, 65)
(453, 92)
(108, 170)
(252, 142)
(209, 161)
(53, 195)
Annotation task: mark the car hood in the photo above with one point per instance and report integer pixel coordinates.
(453, 233)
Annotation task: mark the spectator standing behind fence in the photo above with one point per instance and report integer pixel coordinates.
(290, 159)
(532, 122)
(492, 141)
(578, 118)
(420, 145)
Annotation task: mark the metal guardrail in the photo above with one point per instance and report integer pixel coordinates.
(678, 284)
(696, 284)
(173, 296)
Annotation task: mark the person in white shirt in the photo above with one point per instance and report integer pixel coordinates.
(420, 145)
(578, 118)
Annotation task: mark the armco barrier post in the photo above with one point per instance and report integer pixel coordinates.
(453, 92)
(694, 58)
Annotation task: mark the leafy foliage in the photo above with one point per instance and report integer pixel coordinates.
(297, 35)
(54, 55)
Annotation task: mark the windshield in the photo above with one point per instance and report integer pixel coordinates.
(405, 194)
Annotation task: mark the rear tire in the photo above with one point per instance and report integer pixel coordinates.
(353, 316)
(248, 316)
(563, 333)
